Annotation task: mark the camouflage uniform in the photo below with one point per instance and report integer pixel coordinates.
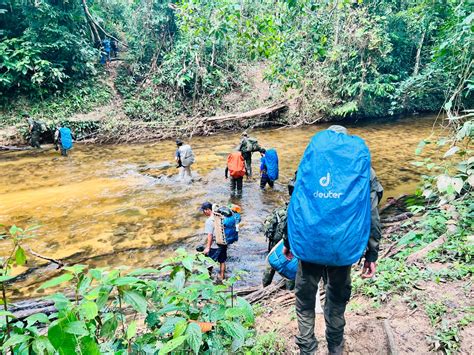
(35, 133)
(247, 148)
(274, 228)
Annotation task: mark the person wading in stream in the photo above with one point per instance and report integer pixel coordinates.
(34, 127)
(268, 168)
(247, 146)
(63, 139)
(213, 250)
(332, 220)
(184, 158)
(236, 169)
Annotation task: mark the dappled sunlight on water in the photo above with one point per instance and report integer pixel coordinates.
(114, 205)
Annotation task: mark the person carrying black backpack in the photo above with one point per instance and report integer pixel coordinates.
(332, 220)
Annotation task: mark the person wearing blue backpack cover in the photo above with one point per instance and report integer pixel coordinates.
(332, 220)
(63, 139)
(268, 167)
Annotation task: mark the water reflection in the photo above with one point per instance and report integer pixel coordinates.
(123, 205)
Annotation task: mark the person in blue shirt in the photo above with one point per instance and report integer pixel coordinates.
(106, 49)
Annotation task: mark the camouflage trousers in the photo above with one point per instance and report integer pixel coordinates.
(35, 140)
(338, 292)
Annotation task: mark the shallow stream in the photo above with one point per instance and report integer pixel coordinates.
(121, 204)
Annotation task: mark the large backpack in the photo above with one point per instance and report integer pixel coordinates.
(271, 162)
(249, 145)
(236, 164)
(329, 211)
(186, 155)
(225, 226)
(66, 138)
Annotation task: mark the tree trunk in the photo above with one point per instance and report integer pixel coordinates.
(418, 54)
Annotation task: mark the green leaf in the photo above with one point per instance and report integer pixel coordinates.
(188, 263)
(75, 269)
(235, 330)
(88, 310)
(41, 345)
(179, 280)
(109, 327)
(180, 328)
(89, 346)
(56, 281)
(60, 301)
(20, 256)
(131, 330)
(137, 301)
(172, 345)
(169, 325)
(38, 317)
(127, 280)
(194, 337)
(6, 313)
(15, 339)
(76, 328)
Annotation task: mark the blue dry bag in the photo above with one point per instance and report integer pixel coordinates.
(278, 261)
(66, 138)
(271, 161)
(329, 211)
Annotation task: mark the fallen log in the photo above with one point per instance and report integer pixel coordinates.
(422, 253)
(392, 202)
(398, 218)
(266, 292)
(11, 147)
(257, 113)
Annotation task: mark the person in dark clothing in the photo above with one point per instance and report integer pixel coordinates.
(34, 128)
(338, 283)
(114, 48)
(247, 146)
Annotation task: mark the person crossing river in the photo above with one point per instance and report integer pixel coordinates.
(247, 146)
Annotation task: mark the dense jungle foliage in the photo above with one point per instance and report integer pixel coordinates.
(337, 57)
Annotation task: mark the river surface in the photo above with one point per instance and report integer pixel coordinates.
(122, 204)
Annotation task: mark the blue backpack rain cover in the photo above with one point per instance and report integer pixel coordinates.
(271, 161)
(66, 138)
(230, 230)
(329, 211)
(278, 261)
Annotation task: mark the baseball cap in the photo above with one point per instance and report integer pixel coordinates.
(206, 206)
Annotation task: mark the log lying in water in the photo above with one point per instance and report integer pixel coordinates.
(276, 108)
(11, 147)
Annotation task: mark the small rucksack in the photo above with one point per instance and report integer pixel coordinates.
(329, 212)
(225, 226)
(236, 164)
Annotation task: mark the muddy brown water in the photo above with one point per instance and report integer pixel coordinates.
(122, 205)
